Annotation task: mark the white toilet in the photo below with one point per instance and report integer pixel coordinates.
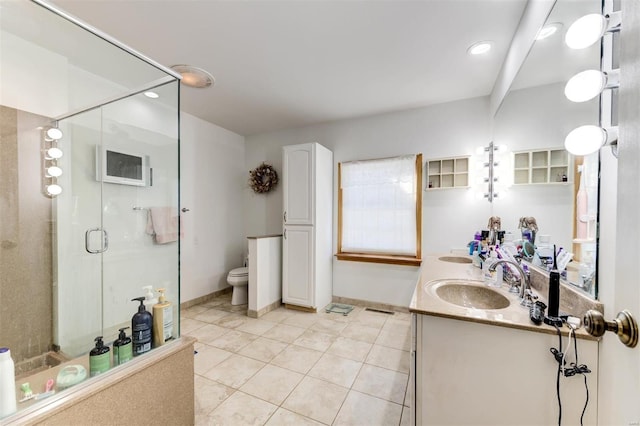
(239, 279)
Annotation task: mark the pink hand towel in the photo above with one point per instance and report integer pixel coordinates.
(162, 223)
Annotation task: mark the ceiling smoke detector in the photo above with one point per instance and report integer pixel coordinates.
(194, 76)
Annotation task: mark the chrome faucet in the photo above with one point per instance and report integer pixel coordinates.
(526, 294)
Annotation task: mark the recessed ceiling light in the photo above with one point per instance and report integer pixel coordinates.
(152, 95)
(479, 48)
(548, 30)
(194, 76)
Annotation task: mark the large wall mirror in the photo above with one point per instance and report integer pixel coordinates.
(545, 181)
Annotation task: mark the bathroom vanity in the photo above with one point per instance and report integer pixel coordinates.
(486, 362)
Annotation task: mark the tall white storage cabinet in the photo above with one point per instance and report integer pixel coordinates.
(307, 225)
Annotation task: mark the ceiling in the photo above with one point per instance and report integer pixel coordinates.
(283, 64)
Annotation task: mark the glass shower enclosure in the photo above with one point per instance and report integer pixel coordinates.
(70, 262)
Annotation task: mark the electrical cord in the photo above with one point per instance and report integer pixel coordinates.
(573, 369)
(560, 359)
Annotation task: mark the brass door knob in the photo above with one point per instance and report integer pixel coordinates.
(623, 325)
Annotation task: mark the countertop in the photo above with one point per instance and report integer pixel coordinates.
(513, 316)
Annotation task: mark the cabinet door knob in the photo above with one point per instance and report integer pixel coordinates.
(284, 216)
(624, 325)
(184, 210)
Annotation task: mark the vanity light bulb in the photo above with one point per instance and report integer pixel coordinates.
(585, 140)
(585, 86)
(54, 153)
(54, 133)
(586, 31)
(54, 171)
(54, 189)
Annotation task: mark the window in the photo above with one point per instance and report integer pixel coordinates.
(380, 210)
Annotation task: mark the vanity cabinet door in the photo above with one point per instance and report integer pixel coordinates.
(297, 267)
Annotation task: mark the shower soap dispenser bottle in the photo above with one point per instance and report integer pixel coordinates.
(149, 298)
(99, 358)
(122, 348)
(162, 320)
(141, 328)
(7, 383)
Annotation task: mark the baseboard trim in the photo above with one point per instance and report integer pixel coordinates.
(367, 303)
(206, 298)
(300, 308)
(261, 312)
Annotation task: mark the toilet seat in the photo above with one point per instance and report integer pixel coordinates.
(239, 272)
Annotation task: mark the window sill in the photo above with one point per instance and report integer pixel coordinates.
(376, 258)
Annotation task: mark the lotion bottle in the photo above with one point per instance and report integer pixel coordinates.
(7, 383)
(122, 348)
(141, 328)
(99, 358)
(162, 320)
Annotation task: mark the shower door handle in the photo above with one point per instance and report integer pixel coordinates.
(105, 241)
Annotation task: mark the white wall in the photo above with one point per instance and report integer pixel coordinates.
(212, 185)
(450, 217)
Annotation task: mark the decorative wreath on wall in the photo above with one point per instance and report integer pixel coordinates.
(263, 178)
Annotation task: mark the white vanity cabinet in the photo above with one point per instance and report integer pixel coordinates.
(307, 225)
(471, 373)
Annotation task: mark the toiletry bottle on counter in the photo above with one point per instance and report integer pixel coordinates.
(122, 348)
(149, 298)
(162, 320)
(99, 358)
(141, 328)
(492, 278)
(7, 383)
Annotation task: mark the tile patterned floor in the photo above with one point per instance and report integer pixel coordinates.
(297, 368)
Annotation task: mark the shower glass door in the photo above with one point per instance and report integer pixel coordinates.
(123, 162)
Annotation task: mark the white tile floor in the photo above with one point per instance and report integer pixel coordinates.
(297, 368)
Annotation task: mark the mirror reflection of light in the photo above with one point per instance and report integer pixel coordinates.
(54, 171)
(54, 153)
(54, 189)
(548, 30)
(54, 133)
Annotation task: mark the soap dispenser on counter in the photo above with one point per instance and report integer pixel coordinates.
(162, 320)
(122, 348)
(99, 358)
(141, 328)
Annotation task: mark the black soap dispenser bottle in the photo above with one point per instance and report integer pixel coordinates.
(122, 348)
(142, 329)
(99, 358)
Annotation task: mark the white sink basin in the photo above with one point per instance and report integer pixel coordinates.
(468, 294)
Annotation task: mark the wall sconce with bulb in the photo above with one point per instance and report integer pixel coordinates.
(51, 154)
(491, 179)
(586, 85)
